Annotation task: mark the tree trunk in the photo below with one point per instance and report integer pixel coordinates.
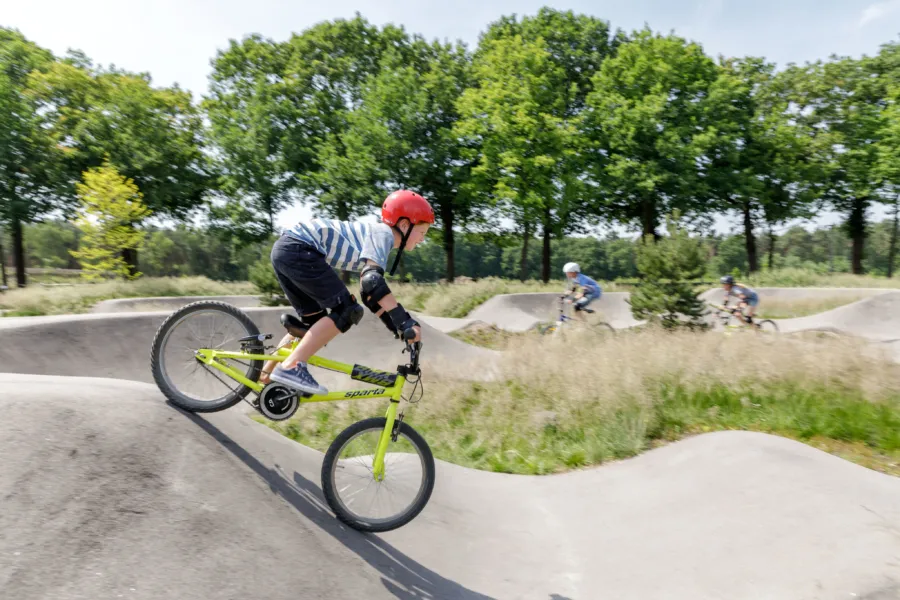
(771, 247)
(130, 256)
(892, 248)
(3, 281)
(449, 241)
(18, 251)
(856, 226)
(750, 238)
(648, 219)
(545, 251)
(523, 263)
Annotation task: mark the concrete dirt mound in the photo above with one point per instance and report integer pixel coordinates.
(118, 346)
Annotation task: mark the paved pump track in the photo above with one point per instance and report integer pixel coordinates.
(106, 491)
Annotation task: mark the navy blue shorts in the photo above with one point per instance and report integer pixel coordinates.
(309, 282)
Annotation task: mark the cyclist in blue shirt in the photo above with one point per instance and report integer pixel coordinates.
(590, 289)
(747, 297)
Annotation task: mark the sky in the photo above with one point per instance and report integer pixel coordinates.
(174, 40)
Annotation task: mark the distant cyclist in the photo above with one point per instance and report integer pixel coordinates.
(583, 289)
(747, 297)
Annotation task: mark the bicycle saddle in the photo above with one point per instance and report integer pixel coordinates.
(293, 325)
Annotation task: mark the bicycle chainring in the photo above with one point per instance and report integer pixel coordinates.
(278, 402)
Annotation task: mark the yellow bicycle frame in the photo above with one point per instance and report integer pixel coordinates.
(210, 357)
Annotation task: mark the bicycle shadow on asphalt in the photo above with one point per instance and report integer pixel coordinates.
(402, 576)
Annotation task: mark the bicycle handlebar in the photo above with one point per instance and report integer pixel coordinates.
(414, 349)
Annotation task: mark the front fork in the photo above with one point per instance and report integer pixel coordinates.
(387, 435)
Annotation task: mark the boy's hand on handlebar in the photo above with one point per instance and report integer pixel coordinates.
(413, 334)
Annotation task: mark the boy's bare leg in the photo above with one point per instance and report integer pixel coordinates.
(319, 334)
(740, 313)
(267, 368)
(580, 315)
(751, 311)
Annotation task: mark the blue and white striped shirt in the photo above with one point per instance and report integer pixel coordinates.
(346, 246)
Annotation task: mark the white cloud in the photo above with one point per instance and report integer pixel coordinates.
(877, 11)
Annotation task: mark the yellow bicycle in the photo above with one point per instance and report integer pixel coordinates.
(378, 473)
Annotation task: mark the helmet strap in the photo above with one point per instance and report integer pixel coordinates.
(404, 237)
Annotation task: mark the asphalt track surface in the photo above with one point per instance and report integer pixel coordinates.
(106, 491)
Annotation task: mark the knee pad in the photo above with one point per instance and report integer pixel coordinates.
(347, 314)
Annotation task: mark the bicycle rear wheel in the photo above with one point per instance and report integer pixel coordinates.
(182, 378)
(357, 497)
(603, 328)
(768, 326)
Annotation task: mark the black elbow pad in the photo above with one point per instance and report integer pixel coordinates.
(373, 287)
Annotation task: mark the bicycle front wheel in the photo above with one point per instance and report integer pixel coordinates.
(186, 381)
(352, 490)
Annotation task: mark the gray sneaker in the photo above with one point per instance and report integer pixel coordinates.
(297, 378)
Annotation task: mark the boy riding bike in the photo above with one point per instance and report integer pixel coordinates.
(590, 289)
(748, 299)
(303, 259)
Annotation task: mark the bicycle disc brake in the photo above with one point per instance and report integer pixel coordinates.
(395, 433)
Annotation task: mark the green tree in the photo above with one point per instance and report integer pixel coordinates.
(841, 104)
(279, 114)
(402, 134)
(755, 152)
(326, 72)
(26, 152)
(888, 166)
(531, 80)
(47, 244)
(577, 45)
(649, 127)
(249, 112)
(151, 135)
(111, 208)
(668, 266)
(519, 143)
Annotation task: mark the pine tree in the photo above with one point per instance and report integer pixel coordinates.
(111, 208)
(666, 294)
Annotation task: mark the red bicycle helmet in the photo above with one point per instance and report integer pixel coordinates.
(404, 203)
